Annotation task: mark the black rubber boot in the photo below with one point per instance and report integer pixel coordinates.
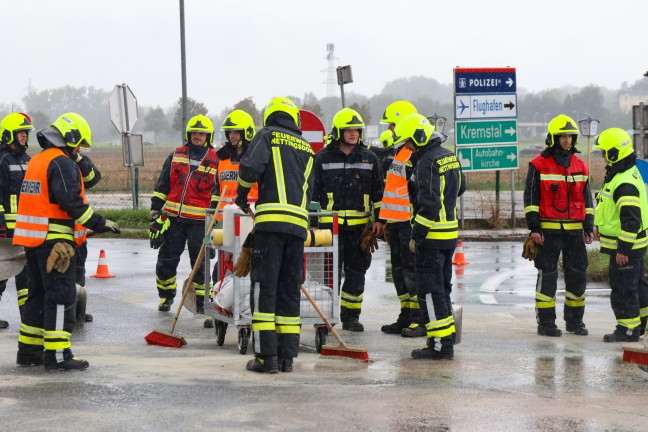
(200, 305)
(89, 318)
(69, 363)
(3, 324)
(443, 352)
(394, 328)
(29, 359)
(268, 364)
(165, 304)
(209, 323)
(286, 364)
(549, 330)
(414, 330)
(577, 328)
(622, 335)
(354, 326)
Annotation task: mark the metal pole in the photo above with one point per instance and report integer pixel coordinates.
(513, 221)
(129, 150)
(183, 63)
(342, 93)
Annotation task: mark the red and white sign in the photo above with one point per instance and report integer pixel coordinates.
(312, 129)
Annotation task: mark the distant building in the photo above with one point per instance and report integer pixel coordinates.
(626, 101)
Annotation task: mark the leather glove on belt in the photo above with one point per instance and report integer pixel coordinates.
(368, 241)
(59, 258)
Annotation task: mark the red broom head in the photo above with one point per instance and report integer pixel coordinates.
(328, 350)
(164, 339)
(638, 356)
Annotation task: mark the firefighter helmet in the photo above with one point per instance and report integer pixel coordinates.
(74, 129)
(415, 127)
(561, 125)
(387, 138)
(285, 105)
(12, 123)
(241, 121)
(615, 143)
(346, 118)
(200, 123)
(397, 111)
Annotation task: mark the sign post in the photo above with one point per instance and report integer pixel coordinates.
(123, 114)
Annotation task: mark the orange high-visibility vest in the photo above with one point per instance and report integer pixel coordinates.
(396, 202)
(228, 176)
(35, 210)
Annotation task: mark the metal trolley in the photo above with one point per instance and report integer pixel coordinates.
(321, 280)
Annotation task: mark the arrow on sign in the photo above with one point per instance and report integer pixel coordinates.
(511, 157)
(510, 131)
(464, 162)
(509, 82)
(509, 105)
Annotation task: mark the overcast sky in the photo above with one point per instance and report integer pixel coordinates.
(263, 48)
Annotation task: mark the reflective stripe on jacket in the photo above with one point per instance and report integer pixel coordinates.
(12, 172)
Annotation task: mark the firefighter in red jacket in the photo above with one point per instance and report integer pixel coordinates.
(52, 205)
(183, 192)
(560, 214)
(14, 141)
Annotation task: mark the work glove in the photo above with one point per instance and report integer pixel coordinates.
(3, 226)
(368, 241)
(111, 227)
(412, 246)
(529, 249)
(59, 257)
(158, 229)
(244, 260)
(387, 235)
(242, 203)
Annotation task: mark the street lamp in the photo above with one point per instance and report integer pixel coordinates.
(438, 121)
(344, 76)
(588, 127)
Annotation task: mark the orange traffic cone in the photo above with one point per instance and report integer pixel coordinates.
(459, 258)
(102, 267)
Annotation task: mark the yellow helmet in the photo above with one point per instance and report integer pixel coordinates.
(346, 118)
(285, 105)
(397, 111)
(615, 143)
(13, 123)
(200, 123)
(241, 121)
(387, 138)
(74, 129)
(415, 127)
(561, 125)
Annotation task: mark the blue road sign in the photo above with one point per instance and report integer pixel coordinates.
(485, 80)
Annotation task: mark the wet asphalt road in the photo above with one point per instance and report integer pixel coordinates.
(504, 377)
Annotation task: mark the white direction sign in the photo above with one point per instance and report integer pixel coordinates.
(123, 108)
(485, 106)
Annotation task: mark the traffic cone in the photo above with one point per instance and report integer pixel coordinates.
(102, 267)
(459, 258)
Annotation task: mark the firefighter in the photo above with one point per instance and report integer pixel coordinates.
(349, 181)
(621, 220)
(395, 210)
(14, 141)
(560, 215)
(91, 176)
(281, 161)
(52, 199)
(183, 192)
(435, 186)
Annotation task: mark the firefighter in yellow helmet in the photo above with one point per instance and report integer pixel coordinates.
(435, 187)
(621, 220)
(52, 213)
(14, 140)
(280, 160)
(398, 165)
(349, 180)
(560, 215)
(185, 189)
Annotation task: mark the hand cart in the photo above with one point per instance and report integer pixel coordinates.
(321, 280)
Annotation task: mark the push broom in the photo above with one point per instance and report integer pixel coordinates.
(168, 339)
(341, 350)
(637, 354)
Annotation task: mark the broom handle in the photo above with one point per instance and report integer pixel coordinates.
(198, 263)
(321, 314)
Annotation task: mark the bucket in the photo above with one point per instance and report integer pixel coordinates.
(229, 211)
